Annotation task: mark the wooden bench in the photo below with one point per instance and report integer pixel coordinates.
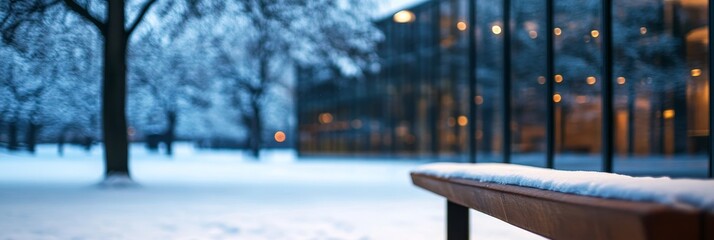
(558, 215)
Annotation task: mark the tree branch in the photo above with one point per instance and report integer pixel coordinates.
(139, 17)
(84, 12)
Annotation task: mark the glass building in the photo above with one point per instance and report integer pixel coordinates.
(606, 85)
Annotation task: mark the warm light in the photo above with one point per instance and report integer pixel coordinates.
(325, 118)
(591, 80)
(557, 98)
(463, 121)
(496, 29)
(668, 114)
(404, 16)
(479, 100)
(541, 80)
(356, 124)
(696, 72)
(461, 26)
(595, 33)
(558, 78)
(533, 34)
(279, 136)
(557, 31)
(621, 80)
(643, 30)
(581, 99)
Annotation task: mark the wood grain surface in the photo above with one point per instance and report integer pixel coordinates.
(558, 215)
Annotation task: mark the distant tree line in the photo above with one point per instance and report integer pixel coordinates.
(112, 71)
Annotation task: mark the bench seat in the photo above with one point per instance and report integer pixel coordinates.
(558, 215)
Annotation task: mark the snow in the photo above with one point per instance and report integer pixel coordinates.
(684, 193)
(201, 194)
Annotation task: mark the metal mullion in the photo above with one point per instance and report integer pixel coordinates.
(607, 88)
(711, 91)
(472, 79)
(506, 123)
(550, 86)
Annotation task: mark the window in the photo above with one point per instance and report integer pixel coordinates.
(489, 75)
(661, 86)
(528, 88)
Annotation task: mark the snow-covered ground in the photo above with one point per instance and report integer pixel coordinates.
(221, 195)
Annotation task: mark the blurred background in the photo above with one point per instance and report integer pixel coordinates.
(300, 119)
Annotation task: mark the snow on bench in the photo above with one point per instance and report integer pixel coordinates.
(674, 192)
(572, 204)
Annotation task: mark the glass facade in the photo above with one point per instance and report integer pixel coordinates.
(528, 44)
(419, 102)
(661, 94)
(578, 95)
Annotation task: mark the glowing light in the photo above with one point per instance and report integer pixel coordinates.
(696, 72)
(463, 120)
(591, 80)
(668, 114)
(621, 80)
(404, 16)
(478, 100)
(559, 78)
(325, 118)
(279, 136)
(557, 98)
(643, 30)
(496, 29)
(461, 26)
(557, 31)
(595, 33)
(581, 99)
(533, 34)
(541, 80)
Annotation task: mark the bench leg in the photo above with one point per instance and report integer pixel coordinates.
(457, 221)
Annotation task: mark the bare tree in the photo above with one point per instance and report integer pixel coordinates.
(277, 36)
(116, 29)
(26, 83)
(164, 77)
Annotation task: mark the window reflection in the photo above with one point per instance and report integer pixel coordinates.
(577, 96)
(661, 95)
(528, 86)
(489, 75)
(417, 104)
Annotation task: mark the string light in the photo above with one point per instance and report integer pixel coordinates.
(404, 16)
(461, 26)
(496, 29)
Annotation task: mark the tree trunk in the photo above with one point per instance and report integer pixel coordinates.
(114, 92)
(60, 143)
(87, 144)
(2, 125)
(170, 132)
(256, 130)
(33, 130)
(12, 142)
